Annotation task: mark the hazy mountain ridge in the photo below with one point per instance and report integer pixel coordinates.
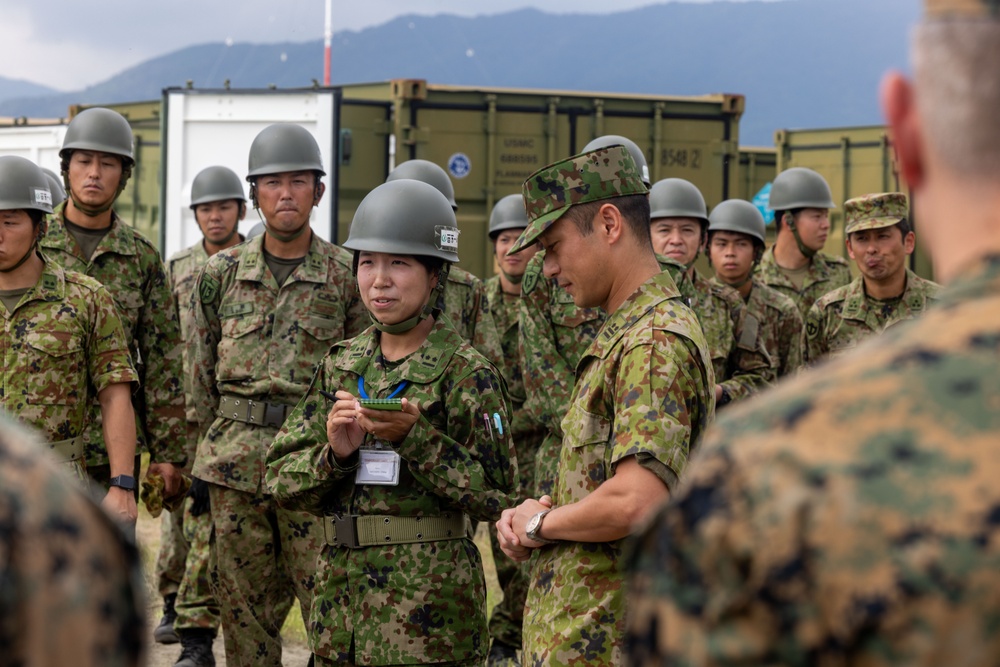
(801, 63)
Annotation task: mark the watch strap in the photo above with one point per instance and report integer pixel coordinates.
(126, 482)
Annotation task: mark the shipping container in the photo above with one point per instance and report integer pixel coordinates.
(38, 143)
(758, 166)
(490, 139)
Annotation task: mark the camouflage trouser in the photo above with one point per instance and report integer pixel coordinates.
(196, 605)
(263, 556)
(508, 616)
(546, 467)
(173, 553)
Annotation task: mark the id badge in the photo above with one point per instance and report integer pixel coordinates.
(378, 466)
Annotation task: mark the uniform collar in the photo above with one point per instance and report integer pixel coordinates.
(977, 279)
(313, 269)
(856, 305)
(119, 240)
(818, 270)
(648, 296)
(422, 367)
(51, 285)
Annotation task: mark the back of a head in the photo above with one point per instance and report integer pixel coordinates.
(956, 57)
(631, 146)
(427, 172)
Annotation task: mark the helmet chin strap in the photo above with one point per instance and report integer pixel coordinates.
(806, 251)
(514, 280)
(24, 259)
(437, 295)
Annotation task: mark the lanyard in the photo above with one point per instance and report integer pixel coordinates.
(364, 394)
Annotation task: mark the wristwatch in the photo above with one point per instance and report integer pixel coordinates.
(535, 526)
(126, 482)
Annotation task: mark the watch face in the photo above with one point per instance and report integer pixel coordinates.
(533, 525)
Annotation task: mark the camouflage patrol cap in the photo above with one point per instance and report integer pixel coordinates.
(874, 211)
(552, 191)
(935, 10)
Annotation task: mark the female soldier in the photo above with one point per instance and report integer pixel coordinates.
(399, 580)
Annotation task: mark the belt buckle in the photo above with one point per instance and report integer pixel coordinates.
(274, 415)
(347, 534)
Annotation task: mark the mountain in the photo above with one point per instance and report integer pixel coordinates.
(16, 88)
(800, 63)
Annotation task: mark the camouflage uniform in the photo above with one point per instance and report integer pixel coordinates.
(739, 356)
(781, 327)
(467, 307)
(841, 319)
(183, 562)
(62, 345)
(793, 541)
(422, 602)
(71, 589)
(575, 609)
(256, 342)
(527, 434)
(554, 333)
(826, 273)
(130, 268)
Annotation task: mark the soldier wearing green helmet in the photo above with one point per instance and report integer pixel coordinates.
(464, 300)
(65, 347)
(736, 242)
(265, 313)
(55, 187)
(86, 235)
(795, 265)
(642, 397)
(879, 240)
(679, 230)
(189, 608)
(402, 440)
(507, 220)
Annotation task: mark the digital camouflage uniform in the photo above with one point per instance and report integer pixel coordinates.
(527, 433)
(466, 305)
(826, 273)
(847, 518)
(62, 345)
(739, 357)
(183, 565)
(130, 268)
(841, 319)
(780, 326)
(254, 341)
(71, 590)
(649, 358)
(422, 602)
(554, 333)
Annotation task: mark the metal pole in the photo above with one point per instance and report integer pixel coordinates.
(327, 42)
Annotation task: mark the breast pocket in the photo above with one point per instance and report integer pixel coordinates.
(584, 465)
(240, 352)
(56, 367)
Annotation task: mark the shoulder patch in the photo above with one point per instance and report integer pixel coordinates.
(812, 329)
(529, 282)
(208, 288)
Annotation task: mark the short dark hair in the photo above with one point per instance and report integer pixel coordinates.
(779, 216)
(903, 226)
(37, 217)
(634, 209)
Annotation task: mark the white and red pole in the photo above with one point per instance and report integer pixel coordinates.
(327, 42)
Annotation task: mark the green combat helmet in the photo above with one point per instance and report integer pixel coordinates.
(874, 211)
(796, 188)
(550, 192)
(255, 231)
(633, 149)
(216, 184)
(406, 217)
(508, 213)
(280, 148)
(23, 186)
(428, 172)
(101, 130)
(737, 215)
(677, 198)
(55, 187)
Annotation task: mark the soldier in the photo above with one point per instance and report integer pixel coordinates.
(86, 235)
(879, 239)
(399, 580)
(679, 229)
(219, 205)
(64, 346)
(553, 335)
(643, 396)
(507, 221)
(736, 233)
(71, 590)
(55, 187)
(266, 311)
(849, 517)
(795, 265)
(465, 300)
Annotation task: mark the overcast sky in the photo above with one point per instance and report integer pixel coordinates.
(68, 44)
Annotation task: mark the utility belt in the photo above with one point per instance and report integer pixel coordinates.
(248, 411)
(354, 531)
(67, 451)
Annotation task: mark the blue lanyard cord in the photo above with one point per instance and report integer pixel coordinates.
(364, 394)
